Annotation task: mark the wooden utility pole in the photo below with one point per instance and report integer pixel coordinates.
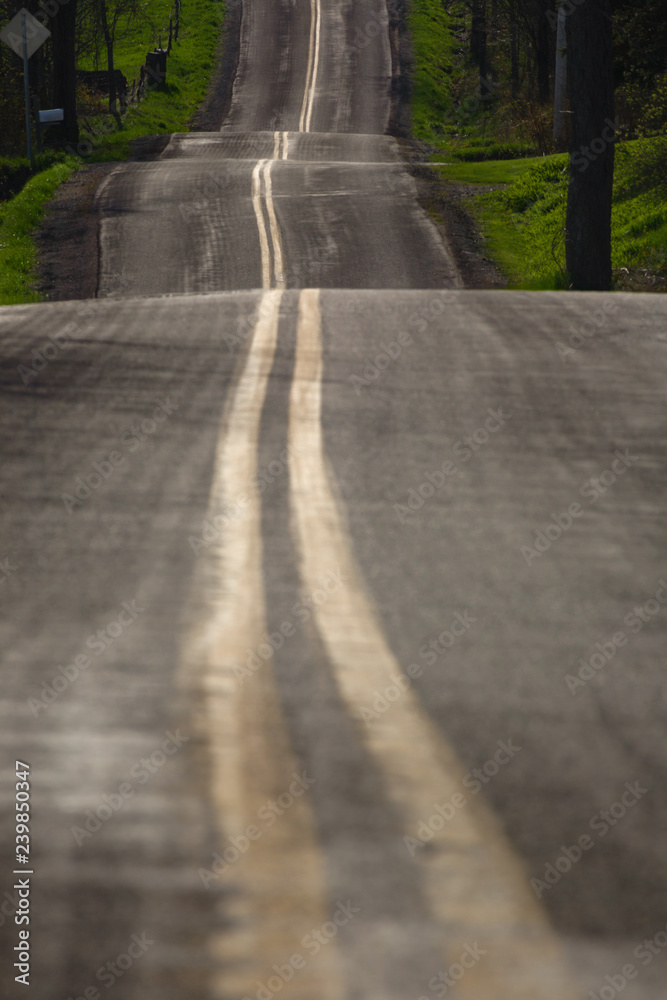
(592, 135)
(63, 29)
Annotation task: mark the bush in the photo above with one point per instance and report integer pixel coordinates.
(16, 171)
(640, 166)
(495, 151)
(542, 183)
(653, 119)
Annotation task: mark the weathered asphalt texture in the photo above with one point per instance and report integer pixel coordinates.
(558, 425)
(494, 465)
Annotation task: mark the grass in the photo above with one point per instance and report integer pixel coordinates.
(16, 170)
(493, 138)
(190, 65)
(489, 171)
(18, 220)
(524, 222)
(168, 108)
(433, 45)
(136, 36)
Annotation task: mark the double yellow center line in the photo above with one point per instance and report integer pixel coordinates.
(476, 890)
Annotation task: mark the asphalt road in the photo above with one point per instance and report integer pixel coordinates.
(334, 605)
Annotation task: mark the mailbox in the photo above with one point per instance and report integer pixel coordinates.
(51, 115)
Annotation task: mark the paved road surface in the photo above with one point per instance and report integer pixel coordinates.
(334, 619)
(223, 211)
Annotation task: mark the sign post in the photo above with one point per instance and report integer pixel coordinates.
(26, 84)
(24, 34)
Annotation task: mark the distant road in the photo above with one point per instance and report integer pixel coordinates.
(301, 187)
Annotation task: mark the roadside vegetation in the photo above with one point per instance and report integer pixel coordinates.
(104, 133)
(19, 217)
(166, 107)
(484, 103)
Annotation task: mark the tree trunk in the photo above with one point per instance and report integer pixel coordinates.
(560, 83)
(478, 38)
(592, 134)
(108, 41)
(514, 48)
(542, 52)
(63, 29)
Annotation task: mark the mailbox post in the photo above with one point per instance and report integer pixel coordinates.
(49, 116)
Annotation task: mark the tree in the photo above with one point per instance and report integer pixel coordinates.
(63, 30)
(560, 81)
(514, 46)
(478, 38)
(592, 135)
(542, 48)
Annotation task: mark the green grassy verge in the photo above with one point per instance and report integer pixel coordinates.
(190, 66)
(432, 39)
(489, 171)
(19, 217)
(138, 35)
(168, 108)
(524, 222)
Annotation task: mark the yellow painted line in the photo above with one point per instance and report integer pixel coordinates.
(276, 145)
(261, 225)
(312, 68)
(273, 268)
(278, 264)
(316, 60)
(285, 145)
(475, 887)
(276, 889)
